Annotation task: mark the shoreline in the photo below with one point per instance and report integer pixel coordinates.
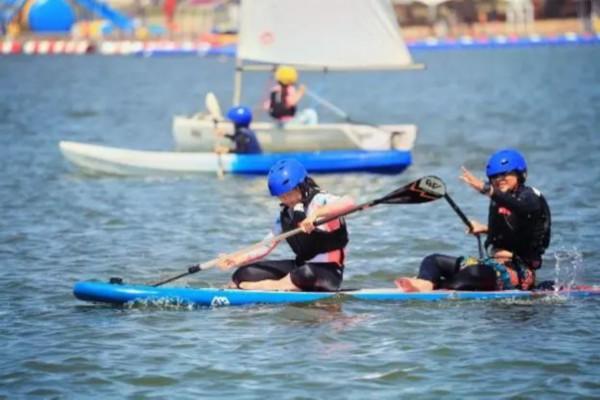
(488, 35)
(547, 27)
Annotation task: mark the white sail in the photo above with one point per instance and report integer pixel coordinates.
(336, 34)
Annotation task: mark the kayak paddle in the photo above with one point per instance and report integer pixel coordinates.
(423, 190)
(214, 109)
(465, 220)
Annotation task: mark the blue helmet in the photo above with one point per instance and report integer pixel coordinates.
(240, 115)
(504, 161)
(285, 175)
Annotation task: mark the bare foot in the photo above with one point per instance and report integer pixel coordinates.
(283, 284)
(230, 285)
(260, 285)
(414, 285)
(405, 284)
(247, 286)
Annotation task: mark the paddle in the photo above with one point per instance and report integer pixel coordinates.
(466, 221)
(214, 109)
(336, 110)
(423, 190)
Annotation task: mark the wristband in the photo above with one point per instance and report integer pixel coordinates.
(486, 188)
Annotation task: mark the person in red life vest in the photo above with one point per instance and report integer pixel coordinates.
(518, 233)
(284, 97)
(243, 138)
(320, 250)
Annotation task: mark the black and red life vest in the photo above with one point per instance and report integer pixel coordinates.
(278, 107)
(524, 230)
(308, 246)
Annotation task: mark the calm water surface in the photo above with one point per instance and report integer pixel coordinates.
(59, 226)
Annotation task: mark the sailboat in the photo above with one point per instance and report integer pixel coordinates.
(312, 35)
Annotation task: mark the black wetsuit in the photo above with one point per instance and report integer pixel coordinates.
(519, 222)
(308, 276)
(245, 141)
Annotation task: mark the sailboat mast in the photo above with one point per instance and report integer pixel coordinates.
(237, 82)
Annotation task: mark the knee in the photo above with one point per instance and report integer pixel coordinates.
(429, 269)
(430, 260)
(304, 277)
(239, 276)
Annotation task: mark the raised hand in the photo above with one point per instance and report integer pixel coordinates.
(471, 179)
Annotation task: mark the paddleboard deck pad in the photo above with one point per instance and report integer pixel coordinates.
(119, 294)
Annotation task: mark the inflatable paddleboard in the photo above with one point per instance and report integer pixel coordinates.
(101, 292)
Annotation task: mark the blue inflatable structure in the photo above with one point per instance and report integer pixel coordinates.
(50, 16)
(46, 16)
(103, 10)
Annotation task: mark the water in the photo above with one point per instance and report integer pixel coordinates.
(59, 226)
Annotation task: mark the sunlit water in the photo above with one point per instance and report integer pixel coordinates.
(59, 226)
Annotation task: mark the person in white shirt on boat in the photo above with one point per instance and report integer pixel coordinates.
(284, 97)
(320, 250)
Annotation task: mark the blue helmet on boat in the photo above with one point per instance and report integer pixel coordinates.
(240, 115)
(285, 175)
(505, 161)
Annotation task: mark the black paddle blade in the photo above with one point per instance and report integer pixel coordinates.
(428, 188)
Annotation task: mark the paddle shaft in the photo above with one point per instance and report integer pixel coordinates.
(336, 110)
(465, 220)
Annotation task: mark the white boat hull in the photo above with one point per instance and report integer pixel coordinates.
(198, 134)
(117, 161)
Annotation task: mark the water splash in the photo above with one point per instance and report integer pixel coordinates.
(568, 264)
(162, 304)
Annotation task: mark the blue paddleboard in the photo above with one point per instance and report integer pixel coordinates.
(99, 292)
(119, 294)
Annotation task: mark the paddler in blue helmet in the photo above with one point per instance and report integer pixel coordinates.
(243, 138)
(518, 233)
(320, 250)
